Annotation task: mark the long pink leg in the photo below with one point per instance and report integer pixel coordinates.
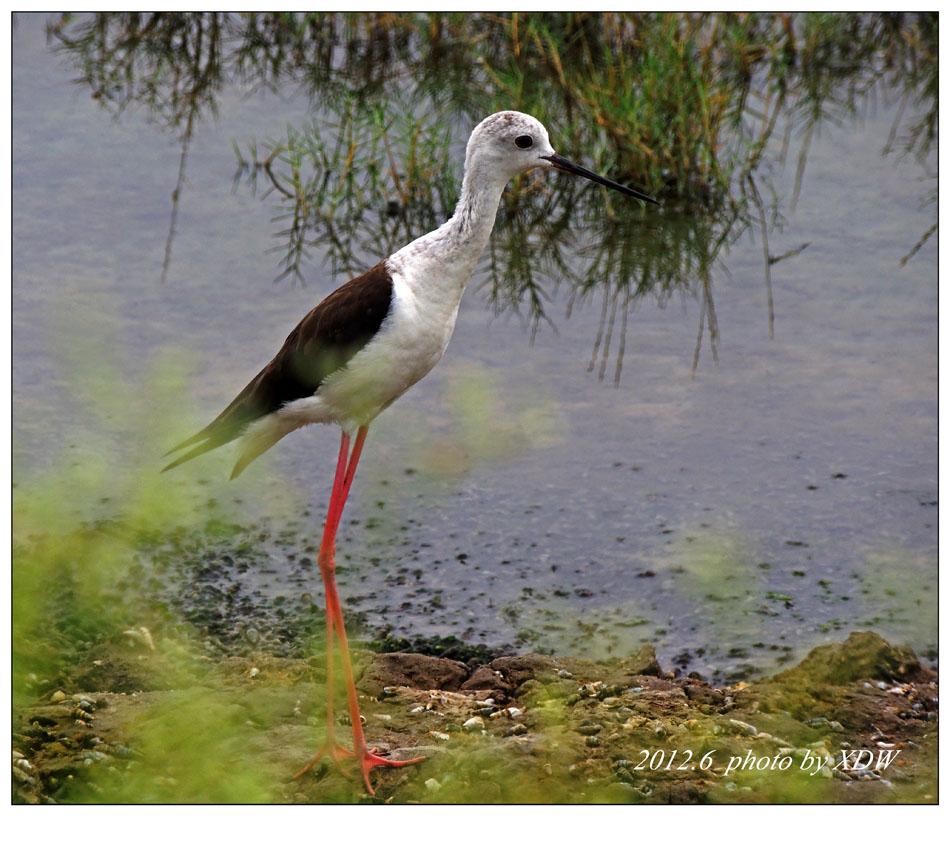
(341, 490)
(327, 546)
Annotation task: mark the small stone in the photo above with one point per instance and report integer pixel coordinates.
(589, 728)
(741, 727)
(611, 701)
(58, 697)
(439, 735)
(476, 723)
(592, 742)
(771, 738)
(432, 785)
(515, 731)
(254, 672)
(383, 717)
(564, 673)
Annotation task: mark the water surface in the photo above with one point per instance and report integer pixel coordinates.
(778, 498)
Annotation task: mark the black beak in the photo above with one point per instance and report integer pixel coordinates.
(565, 165)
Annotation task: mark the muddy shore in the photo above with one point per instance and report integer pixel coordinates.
(853, 722)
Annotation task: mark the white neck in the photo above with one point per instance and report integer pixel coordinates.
(449, 253)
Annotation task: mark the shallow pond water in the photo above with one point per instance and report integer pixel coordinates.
(781, 496)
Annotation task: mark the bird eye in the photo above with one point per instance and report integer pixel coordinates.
(524, 141)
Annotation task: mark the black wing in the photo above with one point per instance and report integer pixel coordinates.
(323, 342)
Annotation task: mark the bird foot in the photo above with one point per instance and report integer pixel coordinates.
(370, 758)
(329, 749)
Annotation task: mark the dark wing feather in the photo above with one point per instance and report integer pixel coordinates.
(323, 342)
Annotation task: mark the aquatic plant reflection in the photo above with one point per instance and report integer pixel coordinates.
(695, 108)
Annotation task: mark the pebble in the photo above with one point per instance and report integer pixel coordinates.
(390, 690)
(589, 728)
(743, 727)
(432, 785)
(254, 672)
(383, 717)
(474, 724)
(564, 673)
(771, 738)
(592, 742)
(516, 731)
(58, 697)
(438, 735)
(22, 777)
(611, 701)
(513, 712)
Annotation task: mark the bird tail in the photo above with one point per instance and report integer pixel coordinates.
(241, 413)
(256, 438)
(209, 442)
(256, 441)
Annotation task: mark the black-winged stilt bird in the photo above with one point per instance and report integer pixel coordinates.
(367, 343)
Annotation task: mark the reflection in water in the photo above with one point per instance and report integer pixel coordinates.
(694, 108)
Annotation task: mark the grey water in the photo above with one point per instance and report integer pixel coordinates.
(783, 496)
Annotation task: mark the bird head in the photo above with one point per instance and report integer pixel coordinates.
(509, 142)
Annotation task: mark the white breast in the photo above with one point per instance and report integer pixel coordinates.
(407, 346)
